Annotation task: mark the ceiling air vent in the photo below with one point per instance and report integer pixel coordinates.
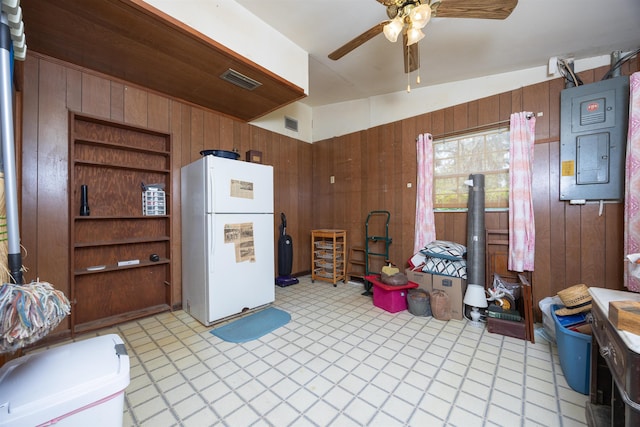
(291, 124)
(232, 76)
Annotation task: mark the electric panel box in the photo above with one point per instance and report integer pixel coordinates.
(593, 135)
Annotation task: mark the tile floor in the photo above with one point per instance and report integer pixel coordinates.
(342, 362)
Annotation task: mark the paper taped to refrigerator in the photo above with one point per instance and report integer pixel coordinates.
(241, 235)
(243, 189)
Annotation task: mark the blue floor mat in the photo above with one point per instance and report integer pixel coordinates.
(253, 326)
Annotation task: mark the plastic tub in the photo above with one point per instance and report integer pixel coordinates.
(574, 350)
(77, 384)
(390, 298)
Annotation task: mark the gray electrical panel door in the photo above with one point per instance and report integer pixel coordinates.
(592, 158)
(593, 135)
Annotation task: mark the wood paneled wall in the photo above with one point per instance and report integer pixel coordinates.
(372, 169)
(52, 88)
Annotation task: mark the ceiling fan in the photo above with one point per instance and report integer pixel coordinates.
(409, 16)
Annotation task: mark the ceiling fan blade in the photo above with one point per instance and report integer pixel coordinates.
(482, 9)
(411, 55)
(356, 42)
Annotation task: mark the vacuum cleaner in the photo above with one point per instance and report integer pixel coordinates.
(285, 256)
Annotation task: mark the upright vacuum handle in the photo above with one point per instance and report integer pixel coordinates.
(283, 226)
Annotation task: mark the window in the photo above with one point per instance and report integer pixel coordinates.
(455, 158)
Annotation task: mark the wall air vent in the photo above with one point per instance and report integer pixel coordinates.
(291, 124)
(238, 79)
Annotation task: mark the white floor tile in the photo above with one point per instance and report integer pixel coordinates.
(342, 362)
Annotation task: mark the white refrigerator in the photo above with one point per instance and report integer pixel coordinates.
(227, 237)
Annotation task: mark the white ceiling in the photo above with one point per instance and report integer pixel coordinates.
(453, 49)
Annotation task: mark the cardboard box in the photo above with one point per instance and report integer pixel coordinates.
(424, 280)
(625, 315)
(455, 288)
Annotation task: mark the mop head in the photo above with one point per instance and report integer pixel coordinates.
(28, 313)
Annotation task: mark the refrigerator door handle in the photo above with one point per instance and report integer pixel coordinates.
(209, 186)
(211, 239)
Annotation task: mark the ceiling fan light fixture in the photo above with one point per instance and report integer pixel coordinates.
(393, 29)
(414, 35)
(420, 16)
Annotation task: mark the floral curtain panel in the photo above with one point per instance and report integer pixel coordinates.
(522, 233)
(632, 182)
(425, 231)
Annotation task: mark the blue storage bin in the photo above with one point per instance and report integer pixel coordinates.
(574, 350)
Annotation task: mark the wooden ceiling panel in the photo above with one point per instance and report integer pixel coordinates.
(131, 40)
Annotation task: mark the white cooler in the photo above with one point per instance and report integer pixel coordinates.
(77, 384)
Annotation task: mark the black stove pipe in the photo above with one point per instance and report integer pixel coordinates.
(476, 233)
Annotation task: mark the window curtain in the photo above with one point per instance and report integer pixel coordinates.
(522, 234)
(632, 182)
(425, 224)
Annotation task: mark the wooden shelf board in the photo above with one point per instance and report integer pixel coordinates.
(115, 146)
(118, 217)
(122, 167)
(115, 267)
(122, 242)
(120, 318)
